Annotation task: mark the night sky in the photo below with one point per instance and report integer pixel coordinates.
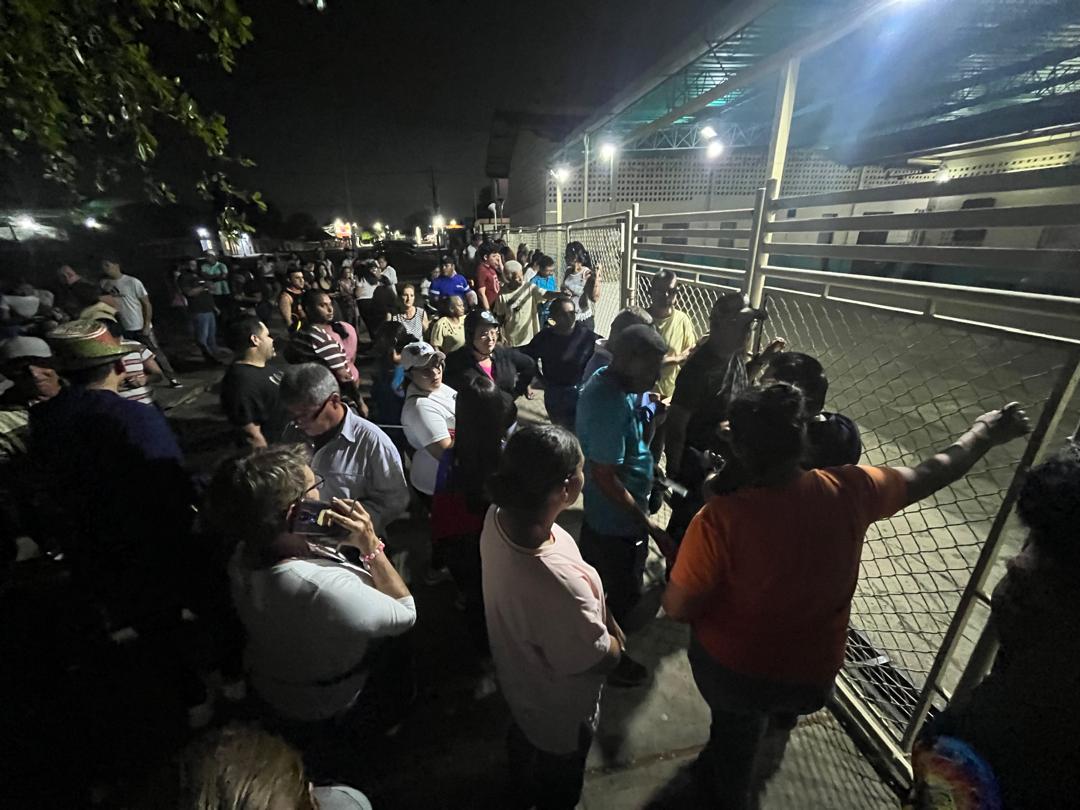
(383, 92)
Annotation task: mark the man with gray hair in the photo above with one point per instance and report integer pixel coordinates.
(619, 475)
(355, 459)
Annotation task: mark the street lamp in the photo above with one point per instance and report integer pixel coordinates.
(91, 223)
(561, 175)
(708, 132)
(608, 150)
(377, 226)
(202, 233)
(438, 222)
(25, 222)
(714, 149)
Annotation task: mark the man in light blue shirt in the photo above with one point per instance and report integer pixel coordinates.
(618, 476)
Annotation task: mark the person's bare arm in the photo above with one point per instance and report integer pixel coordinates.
(952, 463)
(610, 659)
(675, 437)
(680, 605)
(592, 285)
(351, 515)
(147, 311)
(254, 435)
(607, 479)
(438, 448)
(483, 298)
(285, 308)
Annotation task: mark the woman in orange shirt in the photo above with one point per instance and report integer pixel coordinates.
(765, 577)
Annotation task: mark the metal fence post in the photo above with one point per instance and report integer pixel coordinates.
(754, 281)
(1049, 421)
(626, 271)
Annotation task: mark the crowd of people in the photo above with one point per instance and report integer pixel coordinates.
(288, 554)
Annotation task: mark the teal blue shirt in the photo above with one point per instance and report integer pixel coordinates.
(611, 432)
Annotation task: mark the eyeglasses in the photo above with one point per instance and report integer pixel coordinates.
(312, 417)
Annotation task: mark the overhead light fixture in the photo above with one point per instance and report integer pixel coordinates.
(25, 222)
(608, 150)
(202, 233)
(714, 149)
(561, 174)
(942, 175)
(708, 132)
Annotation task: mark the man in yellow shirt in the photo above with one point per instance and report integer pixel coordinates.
(674, 326)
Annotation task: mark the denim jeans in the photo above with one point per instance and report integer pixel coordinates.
(205, 325)
(752, 720)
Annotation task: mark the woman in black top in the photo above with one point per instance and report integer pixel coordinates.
(481, 355)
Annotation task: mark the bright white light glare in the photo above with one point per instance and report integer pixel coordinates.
(561, 174)
(453, 223)
(438, 223)
(91, 222)
(202, 233)
(943, 175)
(714, 149)
(25, 221)
(377, 226)
(608, 150)
(707, 132)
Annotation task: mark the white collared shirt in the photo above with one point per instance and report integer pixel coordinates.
(362, 463)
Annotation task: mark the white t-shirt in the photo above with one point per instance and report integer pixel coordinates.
(308, 626)
(427, 418)
(129, 290)
(390, 273)
(542, 655)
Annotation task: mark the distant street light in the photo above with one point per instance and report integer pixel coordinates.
(561, 175)
(439, 222)
(714, 149)
(377, 226)
(707, 132)
(202, 233)
(26, 222)
(91, 222)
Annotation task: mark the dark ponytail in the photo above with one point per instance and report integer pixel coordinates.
(536, 462)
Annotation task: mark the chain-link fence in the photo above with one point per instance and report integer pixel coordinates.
(912, 386)
(605, 241)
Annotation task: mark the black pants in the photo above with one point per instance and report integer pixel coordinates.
(544, 780)
(620, 561)
(149, 340)
(462, 555)
(748, 733)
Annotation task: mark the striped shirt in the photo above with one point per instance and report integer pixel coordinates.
(312, 344)
(135, 363)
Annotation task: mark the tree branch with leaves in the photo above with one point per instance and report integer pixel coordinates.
(82, 90)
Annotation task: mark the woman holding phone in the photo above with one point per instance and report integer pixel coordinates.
(315, 600)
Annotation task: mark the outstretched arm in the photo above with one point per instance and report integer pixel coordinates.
(952, 463)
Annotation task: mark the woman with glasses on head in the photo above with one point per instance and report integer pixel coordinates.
(428, 416)
(509, 369)
(315, 607)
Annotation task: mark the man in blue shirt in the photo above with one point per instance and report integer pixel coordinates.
(618, 476)
(450, 282)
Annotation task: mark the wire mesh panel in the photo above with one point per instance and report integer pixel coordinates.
(912, 386)
(605, 245)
